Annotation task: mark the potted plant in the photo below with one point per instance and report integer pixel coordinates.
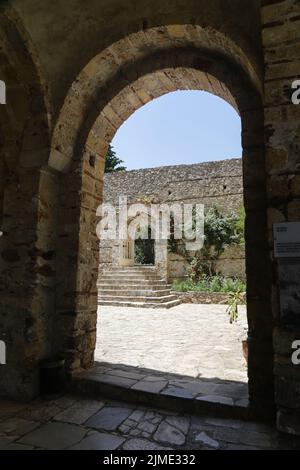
(234, 300)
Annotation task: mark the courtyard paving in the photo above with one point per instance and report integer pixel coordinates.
(191, 340)
(190, 351)
(80, 424)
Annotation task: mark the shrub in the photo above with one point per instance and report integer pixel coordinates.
(220, 230)
(234, 300)
(214, 284)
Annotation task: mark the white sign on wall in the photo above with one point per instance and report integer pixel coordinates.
(2, 353)
(2, 92)
(287, 240)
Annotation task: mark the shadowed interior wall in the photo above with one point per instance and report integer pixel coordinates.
(75, 74)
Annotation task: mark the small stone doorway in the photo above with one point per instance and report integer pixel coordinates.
(144, 251)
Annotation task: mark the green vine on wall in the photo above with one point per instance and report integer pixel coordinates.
(221, 230)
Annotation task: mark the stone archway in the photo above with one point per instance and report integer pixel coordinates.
(25, 230)
(109, 89)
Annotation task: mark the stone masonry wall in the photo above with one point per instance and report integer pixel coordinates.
(209, 183)
(49, 269)
(281, 41)
(231, 263)
(213, 183)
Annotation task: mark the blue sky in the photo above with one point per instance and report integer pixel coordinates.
(183, 127)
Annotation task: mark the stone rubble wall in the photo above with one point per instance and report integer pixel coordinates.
(231, 263)
(203, 298)
(214, 183)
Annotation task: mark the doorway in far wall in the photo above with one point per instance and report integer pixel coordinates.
(144, 250)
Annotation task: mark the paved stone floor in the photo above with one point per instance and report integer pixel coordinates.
(192, 340)
(74, 423)
(156, 387)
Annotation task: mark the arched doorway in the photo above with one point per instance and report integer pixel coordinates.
(144, 250)
(24, 151)
(108, 91)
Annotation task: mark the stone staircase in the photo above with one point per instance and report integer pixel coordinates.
(138, 286)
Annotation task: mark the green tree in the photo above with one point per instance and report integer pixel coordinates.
(221, 230)
(240, 227)
(112, 162)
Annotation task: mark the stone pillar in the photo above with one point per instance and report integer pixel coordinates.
(161, 258)
(281, 41)
(2, 184)
(78, 260)
(258, 264)
(126, 254)
(27, 278)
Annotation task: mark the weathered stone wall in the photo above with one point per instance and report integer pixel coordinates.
(231, 263)
(78, 32)
(28, 194)
(281, 41)
(216, 298)
(214, 183)
(89, 69)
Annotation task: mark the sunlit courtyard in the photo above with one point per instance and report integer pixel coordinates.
(192, 340)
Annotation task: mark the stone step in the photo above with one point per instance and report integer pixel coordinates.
(138, 272)
(138, 298)
(94, 384)
(133, 269)
(139, 275)
(122, 303)
(126, 281)
(138, 286)
(140, 292)
(134, 286)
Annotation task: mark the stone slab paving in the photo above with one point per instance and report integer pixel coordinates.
(99, 441)
(109, 418)
(131, 427)
(77, 414)
(189, 352)
(54, 436)
(154, 388)
(192, 340)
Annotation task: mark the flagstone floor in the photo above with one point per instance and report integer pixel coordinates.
(192, 340)
(75, 423)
